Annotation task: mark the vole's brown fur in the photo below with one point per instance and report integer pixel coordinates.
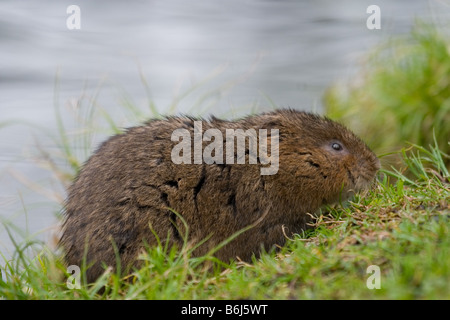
(129, 183)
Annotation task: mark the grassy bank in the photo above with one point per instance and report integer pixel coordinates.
(402, 228)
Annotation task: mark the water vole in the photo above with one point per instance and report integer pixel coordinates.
(132, 179)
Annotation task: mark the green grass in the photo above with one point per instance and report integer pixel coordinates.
(401, 227)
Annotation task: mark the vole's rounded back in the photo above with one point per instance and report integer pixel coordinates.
(128, 185)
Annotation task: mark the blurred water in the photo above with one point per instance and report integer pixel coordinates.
(289, 51)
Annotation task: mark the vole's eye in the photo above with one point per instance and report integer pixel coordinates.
(336, 146)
